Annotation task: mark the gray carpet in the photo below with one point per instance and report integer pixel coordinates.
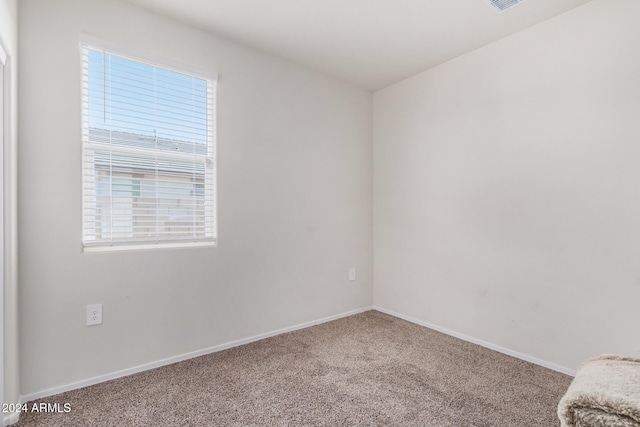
(370, 369)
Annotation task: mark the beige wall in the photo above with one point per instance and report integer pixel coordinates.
(507, 189)
(294, 198)
(8, 39)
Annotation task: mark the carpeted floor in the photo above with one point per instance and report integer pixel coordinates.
(364, 370)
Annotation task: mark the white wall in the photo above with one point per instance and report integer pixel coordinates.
(9, 41)
(507, 189)
(295, 204)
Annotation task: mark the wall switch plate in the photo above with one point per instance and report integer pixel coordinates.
(352, 274)
(94, 314)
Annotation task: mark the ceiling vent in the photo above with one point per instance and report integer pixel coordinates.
(502, 5)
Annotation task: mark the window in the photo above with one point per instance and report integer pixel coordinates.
(148, 136)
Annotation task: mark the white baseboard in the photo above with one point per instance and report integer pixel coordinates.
(10, 418)
(147, 366)
(482, 343)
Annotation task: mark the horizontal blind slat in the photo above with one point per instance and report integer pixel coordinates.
(186, 83)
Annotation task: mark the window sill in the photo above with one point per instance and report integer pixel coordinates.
(150, 246)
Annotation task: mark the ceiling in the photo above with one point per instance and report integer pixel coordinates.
(369, 43)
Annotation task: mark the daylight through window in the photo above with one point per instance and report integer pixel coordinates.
(148, 153)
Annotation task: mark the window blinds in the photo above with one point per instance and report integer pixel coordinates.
(148, 153)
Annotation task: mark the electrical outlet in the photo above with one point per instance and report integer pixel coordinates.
(352, 274)
(94, 314)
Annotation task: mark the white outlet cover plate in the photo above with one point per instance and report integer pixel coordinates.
(94, 314)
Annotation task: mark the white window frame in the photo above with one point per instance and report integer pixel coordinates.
(3, 61)
(89, 191)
